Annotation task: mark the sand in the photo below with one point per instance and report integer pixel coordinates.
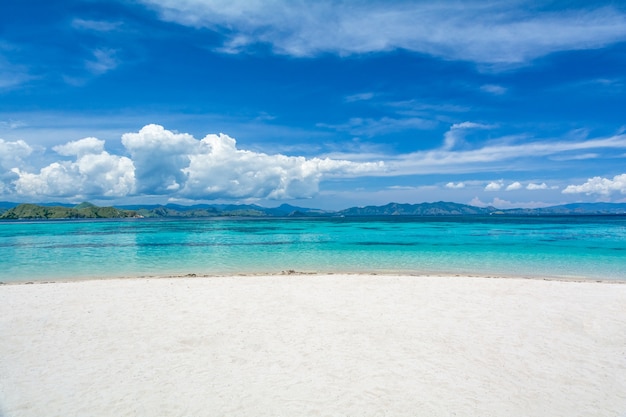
(321, 345)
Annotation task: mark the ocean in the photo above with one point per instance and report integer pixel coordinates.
(587, 247)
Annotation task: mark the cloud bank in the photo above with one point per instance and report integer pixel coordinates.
(159, 162)
(171, 164)
(490, 32)
(599, 185)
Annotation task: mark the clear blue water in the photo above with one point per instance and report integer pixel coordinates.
(585, 247)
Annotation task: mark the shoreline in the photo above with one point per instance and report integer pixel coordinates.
(293, 273)
(301, 344)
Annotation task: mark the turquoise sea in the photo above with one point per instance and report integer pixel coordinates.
(591, 247)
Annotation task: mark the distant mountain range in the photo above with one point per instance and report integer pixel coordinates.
(15, 211)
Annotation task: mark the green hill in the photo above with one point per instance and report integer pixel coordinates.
(82, 211)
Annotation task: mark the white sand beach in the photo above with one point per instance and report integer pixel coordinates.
(313, 345)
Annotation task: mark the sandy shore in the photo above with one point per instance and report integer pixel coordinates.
(323, 345)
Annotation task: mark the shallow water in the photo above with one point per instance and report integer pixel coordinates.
(591, 247)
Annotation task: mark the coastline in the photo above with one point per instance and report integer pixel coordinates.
(304, 344)
(338, 273)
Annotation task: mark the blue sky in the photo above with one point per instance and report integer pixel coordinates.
(324, 104)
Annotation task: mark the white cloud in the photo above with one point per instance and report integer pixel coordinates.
(103, 61)
(12, 156)
(80, 147)
(220, 170)
(402, 187)
(493, 157)
(414, 107)
(497, 90)
(171, 164)
(12, 75)
(477, 202)
(159, 157)
(578, 157)
(496, 32)
(95, 172)
(359, 97)
(12, 153)
(457, 186)
(371, 127)
(520, 152)
(514, 186)
(599, 185)
(160, 162)
(11, 124)
(470, 125)
(494, 186)
(506, 204)
(179, 166)
(456, 133)
(95, 25)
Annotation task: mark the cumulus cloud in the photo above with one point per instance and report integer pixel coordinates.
(599, 185)
(514, 186)
(12, 153)
(173, 164)
(95, 172)
(220, 170)
(159, 157)
(495, 32)
(159, 162)
(494, 186)
(80, 147)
